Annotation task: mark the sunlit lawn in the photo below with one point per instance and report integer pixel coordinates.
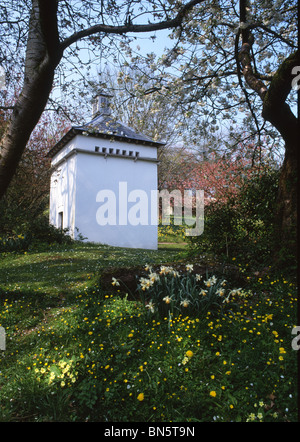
(76, 353)
(70, 267)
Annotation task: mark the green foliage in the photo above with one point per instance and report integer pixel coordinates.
(39, 231)
(14, 243)
(244, 225)
(17, 209)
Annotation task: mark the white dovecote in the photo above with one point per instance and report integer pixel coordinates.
(106, 181)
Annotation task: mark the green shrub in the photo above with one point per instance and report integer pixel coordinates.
(14, 243)
(40, 230)
(37, 232)
(244, 225)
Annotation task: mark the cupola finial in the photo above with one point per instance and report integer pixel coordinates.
(101, 104)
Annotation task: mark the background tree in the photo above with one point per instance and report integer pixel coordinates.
(231, 72)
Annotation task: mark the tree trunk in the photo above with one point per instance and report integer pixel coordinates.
(286, 123)
(279, 114)
(41, 61)
(277, 111)
(285, 248)
(26, 114)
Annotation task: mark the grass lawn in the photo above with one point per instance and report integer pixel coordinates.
(76, 352)
(68, 268)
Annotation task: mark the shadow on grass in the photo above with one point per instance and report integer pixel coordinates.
(68, 269)
(47, 275)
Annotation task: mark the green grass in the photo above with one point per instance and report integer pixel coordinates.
(66, 268)
(172, 234)
(77, 353)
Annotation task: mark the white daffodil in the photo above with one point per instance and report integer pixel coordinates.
(115, 282)
(185, 303)
(145, 283)
(167, 299)
(150, 306)
(153, 277)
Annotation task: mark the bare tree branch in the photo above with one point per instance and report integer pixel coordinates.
(129, 27)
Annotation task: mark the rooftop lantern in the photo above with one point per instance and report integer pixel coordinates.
(101, 104)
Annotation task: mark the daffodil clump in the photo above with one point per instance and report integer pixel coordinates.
(13, 242)
(171, 232)
(169, 291)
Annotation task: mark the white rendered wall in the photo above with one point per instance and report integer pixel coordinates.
(62, 194)
(85, 174)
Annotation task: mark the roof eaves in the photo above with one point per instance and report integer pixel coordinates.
(82, 130)
(63, 141)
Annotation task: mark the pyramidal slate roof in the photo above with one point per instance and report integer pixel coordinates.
(104, 126)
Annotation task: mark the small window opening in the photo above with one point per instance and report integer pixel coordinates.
(61, 220)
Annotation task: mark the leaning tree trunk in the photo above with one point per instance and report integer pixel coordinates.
(42, 57)
(26, 114)
(286, 213)
(277, 111)
(279, 114)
